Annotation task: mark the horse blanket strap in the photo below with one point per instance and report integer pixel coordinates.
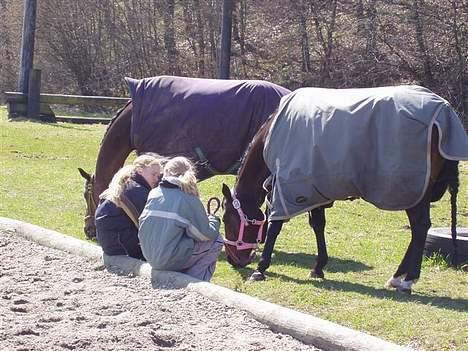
(129, 208)
(205, 163)
(332, 144)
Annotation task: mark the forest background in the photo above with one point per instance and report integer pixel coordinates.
(86, 47)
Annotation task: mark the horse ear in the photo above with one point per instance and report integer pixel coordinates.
(227, 193)
(84, 174)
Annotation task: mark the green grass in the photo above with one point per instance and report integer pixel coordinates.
(40, 184)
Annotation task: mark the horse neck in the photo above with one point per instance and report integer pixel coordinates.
(115, 147)
(253, 172)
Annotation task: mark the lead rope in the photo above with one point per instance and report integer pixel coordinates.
(208, 205)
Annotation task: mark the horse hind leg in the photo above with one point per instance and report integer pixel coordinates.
(410, 267)
(419, 217)
(395, 280)
(317, 222)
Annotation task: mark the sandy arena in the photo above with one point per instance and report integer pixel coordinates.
(51, 300)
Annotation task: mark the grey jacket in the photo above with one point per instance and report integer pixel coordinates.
(170, 224)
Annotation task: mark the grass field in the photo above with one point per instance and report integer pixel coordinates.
(40, 184)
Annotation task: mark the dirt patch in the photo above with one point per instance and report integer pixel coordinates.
(51, 300)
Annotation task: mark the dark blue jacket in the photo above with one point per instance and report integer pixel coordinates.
(110, 218)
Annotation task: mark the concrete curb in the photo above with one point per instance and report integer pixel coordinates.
(310, 330)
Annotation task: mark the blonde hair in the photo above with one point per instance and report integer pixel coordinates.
(119, 181)
(182, 169)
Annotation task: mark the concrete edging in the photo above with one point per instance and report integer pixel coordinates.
(306, 328)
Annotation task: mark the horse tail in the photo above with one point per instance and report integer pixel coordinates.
(449, 179)
(453, 184)
(448, 174)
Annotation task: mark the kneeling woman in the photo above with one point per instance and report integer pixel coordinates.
(122, 203)
(175, 232)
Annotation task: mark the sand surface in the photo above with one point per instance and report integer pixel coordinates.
(51, 300)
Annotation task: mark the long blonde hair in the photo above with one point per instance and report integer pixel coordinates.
(183, 170)
(120, 179)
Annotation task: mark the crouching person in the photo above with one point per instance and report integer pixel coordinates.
(175, 232)
(122, 203)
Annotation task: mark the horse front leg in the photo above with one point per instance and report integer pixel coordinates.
(273, 230)
(317, 222)
(410, 267)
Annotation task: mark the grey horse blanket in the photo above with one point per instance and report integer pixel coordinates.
(333, 144)
(177, 115)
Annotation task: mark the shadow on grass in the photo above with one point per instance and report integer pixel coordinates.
(49, 124)
(244, 273)
(302, 261)
(460, 305)
(334, 265)
(77, 127)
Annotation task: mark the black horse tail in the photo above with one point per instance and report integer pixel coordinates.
(453, 190)
(449, 179)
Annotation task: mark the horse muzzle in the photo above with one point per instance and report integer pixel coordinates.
(90, 231)
(236, 260)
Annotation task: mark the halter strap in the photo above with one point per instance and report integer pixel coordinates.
(244, 222)
(90, 194)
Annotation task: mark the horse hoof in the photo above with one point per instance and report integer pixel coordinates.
(392, 284)
(395, 283)
(257, 277)
(315, 275)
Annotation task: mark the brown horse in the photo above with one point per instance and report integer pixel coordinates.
(243, 218)
(207, 120)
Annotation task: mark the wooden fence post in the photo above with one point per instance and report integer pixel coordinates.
(27, 46)
(226, 32)
(34, 94)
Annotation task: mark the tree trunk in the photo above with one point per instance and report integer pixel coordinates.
(200, 38)
(427, 77)
(305, 53)
(462, 76)
(169, 37)
(325, 29)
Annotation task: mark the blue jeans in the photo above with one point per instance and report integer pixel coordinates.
(202, 263)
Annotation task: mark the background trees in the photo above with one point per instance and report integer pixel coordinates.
(87, 47)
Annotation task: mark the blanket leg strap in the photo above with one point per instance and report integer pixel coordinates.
(205, 163)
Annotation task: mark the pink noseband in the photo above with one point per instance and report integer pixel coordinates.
(244, 222)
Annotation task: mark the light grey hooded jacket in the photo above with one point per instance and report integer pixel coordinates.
(169, 226)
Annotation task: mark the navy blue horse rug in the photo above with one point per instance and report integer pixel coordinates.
(199, 118)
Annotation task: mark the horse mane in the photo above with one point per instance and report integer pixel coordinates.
(257, 135)
(113, 119)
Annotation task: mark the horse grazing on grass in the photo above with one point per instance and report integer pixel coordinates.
(210, 121)
(388, 146)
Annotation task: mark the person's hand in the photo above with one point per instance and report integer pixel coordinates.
(212, 216)
(215, 221)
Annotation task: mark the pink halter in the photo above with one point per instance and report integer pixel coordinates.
(244, 222)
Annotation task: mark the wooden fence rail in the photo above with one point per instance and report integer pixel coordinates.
(17, 104)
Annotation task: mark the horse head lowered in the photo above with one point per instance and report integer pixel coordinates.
(243, 233)
(89, 196)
